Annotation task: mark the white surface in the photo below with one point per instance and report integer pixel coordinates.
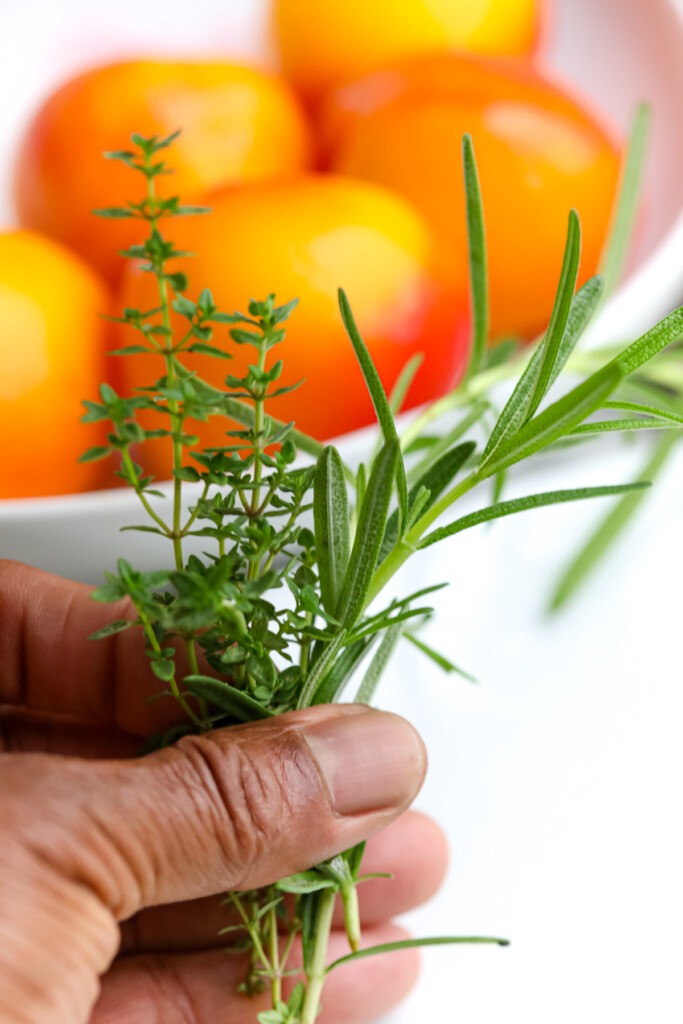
(558, 779)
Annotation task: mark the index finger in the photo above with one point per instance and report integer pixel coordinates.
(47, 662)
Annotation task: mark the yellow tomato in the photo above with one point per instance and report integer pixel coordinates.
(321, 44)
(51, 357)
(303, 239)
(538, 150)
(238, 124)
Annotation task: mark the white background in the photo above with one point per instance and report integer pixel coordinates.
(558, 778)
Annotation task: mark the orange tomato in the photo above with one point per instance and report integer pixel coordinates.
(539, 153)
(238, 124)
(304, 238)
(321, 44)
(51, 357)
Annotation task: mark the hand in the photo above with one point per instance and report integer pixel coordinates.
(110, 865)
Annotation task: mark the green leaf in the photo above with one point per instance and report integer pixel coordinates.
(295, 1002)
(114, 627)
(130, 350)
(94, 454)
(625, 210)
(383, 654)
(187, 473)
(378, 396)
(610, 529)
(309, 909)
(382, 622)
(244, 414)
(645, 410)
(391, 947)
(190, 211)
(583, 306)
(305, 882)
(439, 659)
(319, 671)
(144, 529)
(208, 350)
(512, 416)
(354, 858)
(652, 342)
(515, 413)
(341, 672)
(556, 420)
(560, 314)
(369, 534)
(270, 1017)
(114, 212)
(331, 518)
(609, 426)
(163, 669)
(508, 508)
(235, 702)
(403, 382)
(478, 273)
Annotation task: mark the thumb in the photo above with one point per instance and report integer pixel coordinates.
(233, 809)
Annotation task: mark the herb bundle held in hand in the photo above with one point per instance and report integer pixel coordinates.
(277, 617)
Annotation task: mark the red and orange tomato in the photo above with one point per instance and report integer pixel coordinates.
(52, 345)
(539, 153)
(321, 44)
(239, 124)
(303, 239)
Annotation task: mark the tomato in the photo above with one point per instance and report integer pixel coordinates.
(52, 347)
(304, 238)
(238, 124)
(322, 44)
(539, 153)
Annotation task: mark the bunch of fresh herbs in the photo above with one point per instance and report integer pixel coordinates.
(292, 599)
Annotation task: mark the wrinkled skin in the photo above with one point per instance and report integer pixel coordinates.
(111, 865)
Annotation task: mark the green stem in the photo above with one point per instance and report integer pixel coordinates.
(404, 548)
(175, 689)
(349, 896)
(258, 431)
(173, 406)
(276, 977)
(253, 932)
(190, 522)
(128, 462)
(318, 967)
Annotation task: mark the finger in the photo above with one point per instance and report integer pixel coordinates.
(235, 809)
(200, 988)
(24, 731)
(49, 664)
(413, 849)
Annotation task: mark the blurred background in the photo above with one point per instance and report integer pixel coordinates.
(558, 777)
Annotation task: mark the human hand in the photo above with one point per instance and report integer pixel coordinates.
(111, 866)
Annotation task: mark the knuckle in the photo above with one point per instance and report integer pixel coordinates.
(246, 799)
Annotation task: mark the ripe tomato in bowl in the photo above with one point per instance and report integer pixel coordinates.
(321, 44)
(52, 354)
(238, 124)
(539, 152)
(305, 238)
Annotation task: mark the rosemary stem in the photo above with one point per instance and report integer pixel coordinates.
(276, 977)
(317, 970)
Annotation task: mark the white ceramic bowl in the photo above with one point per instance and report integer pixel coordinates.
(620, 51)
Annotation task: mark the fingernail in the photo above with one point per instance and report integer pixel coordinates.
(370, 761)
